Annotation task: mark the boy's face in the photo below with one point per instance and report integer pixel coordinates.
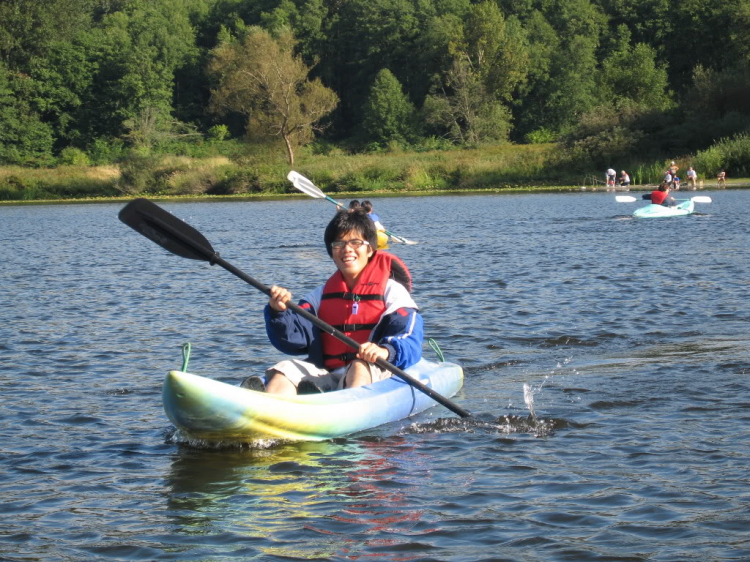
(351, 261)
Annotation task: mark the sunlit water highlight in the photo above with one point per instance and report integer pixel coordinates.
(606, 362)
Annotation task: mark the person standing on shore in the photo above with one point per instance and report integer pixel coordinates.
(721, 179)
(692, 177)
(611, 174)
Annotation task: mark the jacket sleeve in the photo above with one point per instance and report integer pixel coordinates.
(401, 333)
(289, 332)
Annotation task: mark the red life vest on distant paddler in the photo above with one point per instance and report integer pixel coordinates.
(658, 197)
(356, 312)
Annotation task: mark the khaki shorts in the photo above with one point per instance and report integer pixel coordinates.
(297, 370)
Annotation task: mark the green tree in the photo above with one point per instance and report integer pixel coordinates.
(632, 72)
(24, 138)
(497, 49)
(366, 36)
(29, 27)
(45, 70)
(137, 52)
(562, 78)
(650, 21)
(715, 94)
(262, 78)
(463, 111)
(437, 46)
(388, 113)
(571, 90)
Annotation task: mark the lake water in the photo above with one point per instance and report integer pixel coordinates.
(628, 338)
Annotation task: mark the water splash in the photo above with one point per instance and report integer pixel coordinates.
(528, 398)
(484, 423)
(178, 437)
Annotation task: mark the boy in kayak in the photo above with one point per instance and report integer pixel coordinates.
(367, 298)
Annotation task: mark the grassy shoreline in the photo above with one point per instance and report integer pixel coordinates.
(741, 183)
(261, 175)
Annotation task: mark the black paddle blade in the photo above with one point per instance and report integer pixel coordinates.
(165, 229)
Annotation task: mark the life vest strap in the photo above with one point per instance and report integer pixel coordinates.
(352, 297)
(354, 327)
(345, 357)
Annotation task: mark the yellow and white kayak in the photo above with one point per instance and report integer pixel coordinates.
(210, 410)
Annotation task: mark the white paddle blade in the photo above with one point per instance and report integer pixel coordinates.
(403, 240)
(701, 199)
(625, 199)
(305, 185)
(400, 239)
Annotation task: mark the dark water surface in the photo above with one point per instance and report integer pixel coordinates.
(628, 339)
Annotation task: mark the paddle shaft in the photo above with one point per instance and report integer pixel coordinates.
(156, 223)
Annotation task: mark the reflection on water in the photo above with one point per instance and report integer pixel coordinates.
(276, 496)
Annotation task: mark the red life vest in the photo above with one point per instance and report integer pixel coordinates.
(357, 312)
(658, 197)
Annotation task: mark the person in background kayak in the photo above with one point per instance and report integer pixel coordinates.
(367, 206)
(367, 298)
(353, 204)
(382, 235)
(661, 196)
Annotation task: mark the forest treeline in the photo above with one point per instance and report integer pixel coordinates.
(100, 81)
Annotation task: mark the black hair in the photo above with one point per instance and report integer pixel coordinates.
(367, 206)
(346, 221)
(354, 204)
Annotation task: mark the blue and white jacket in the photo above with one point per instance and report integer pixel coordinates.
(400, 329)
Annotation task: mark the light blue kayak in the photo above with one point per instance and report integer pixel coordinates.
(657, 211)
(213, 411)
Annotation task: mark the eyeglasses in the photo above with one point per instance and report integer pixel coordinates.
(355, 243)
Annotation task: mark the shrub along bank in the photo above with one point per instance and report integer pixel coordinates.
(262, 170)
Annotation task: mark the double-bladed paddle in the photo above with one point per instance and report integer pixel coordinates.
(183, 240)
(306, 186)
(631, 199)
